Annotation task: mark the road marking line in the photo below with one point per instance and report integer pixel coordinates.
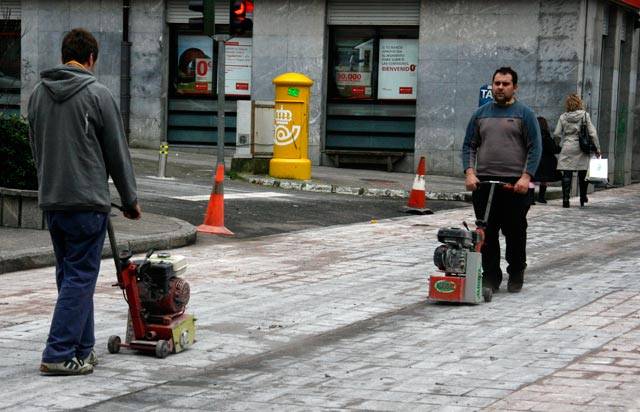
(234, 196)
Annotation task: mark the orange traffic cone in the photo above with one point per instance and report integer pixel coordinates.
(214, 218)
(418, 197)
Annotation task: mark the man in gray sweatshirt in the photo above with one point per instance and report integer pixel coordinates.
(78, 141)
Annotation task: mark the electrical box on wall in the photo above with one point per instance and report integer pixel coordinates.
(243, 129)
(263, 128)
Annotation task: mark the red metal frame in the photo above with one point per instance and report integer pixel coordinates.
(157, 328)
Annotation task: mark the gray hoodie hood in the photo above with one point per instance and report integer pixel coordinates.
(64, 81)
(575, 116)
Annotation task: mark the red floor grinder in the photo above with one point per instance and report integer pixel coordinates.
(157, 298)
(459, 260)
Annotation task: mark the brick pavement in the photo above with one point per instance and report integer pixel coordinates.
(336, 318)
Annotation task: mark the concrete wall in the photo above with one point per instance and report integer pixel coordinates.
(289, 36)
(44, 24)
(149, 37)
(463, 42)
(635, 130)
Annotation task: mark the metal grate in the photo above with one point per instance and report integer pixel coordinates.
(178, 11)
(374, 12)
(11, 9)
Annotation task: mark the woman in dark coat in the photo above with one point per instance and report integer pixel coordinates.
(547, 170)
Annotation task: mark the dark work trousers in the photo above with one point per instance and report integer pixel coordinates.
(508, 214)
(77, 239)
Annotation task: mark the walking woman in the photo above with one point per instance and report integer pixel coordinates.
(571, 157)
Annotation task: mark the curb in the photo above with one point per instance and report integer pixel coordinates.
(41, 257)
(309, 186)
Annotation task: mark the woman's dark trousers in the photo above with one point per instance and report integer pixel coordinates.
(567, 175)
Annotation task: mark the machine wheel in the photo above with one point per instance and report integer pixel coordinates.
(162, 349)
(113, 344)
(487, 294)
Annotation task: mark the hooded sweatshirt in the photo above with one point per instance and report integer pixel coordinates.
(77, 139)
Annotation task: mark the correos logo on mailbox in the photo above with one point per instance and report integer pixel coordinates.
(284, 134)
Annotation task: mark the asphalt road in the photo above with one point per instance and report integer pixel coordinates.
(252, 211)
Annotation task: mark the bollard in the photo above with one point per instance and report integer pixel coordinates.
(162, 159)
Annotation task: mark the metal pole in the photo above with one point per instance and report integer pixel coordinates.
(162, 159)
(114, 248)
(221, 38)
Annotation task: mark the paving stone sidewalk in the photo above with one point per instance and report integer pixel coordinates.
(336, 318)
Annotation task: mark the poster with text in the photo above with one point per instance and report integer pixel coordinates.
(195, 71)
(237, 72)
(354, 60)
(397, 69)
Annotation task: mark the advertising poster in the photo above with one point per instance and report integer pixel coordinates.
(353, 69)
(195, 71)
(397, 70)
(238, 67)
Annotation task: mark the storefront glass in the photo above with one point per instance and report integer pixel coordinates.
(10, 66)
(373, 64)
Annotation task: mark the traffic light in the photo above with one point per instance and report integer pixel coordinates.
(206, 23)
(240, 17)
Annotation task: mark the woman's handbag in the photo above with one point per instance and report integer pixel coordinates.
(598, 172)
(586, 144)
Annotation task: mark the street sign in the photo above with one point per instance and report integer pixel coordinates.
(485, 95)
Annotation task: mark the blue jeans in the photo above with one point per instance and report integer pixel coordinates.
(77, 238)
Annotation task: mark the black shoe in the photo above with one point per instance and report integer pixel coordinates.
(516, 279)
(583, 200)
(541, 193)
(494, 289)
(565, 203)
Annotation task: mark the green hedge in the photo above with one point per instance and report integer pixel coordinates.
(17, 168)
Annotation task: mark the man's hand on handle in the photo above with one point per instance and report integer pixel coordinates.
(471, 182)
(133, 214)
(522, 185)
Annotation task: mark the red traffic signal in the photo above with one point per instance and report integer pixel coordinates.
(240, 17)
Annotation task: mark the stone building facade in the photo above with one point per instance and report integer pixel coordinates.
(557, 47)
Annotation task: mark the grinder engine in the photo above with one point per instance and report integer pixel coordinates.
(157, 298)
(451, 256)
(161, 291)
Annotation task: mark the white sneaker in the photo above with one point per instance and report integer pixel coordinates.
(92, 359)
(72, 366)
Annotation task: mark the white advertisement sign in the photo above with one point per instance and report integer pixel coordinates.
(204, 74)
(238, 66)
(358, 83)
(397, 70)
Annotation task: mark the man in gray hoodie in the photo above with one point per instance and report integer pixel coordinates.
(78, 141)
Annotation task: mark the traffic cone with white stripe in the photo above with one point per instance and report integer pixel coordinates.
(214, 218)
(418, 197)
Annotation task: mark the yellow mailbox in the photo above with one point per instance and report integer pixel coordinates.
(291, 133)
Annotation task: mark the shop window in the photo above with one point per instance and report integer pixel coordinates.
(9, 66)
(373, 64)
(194, 63)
